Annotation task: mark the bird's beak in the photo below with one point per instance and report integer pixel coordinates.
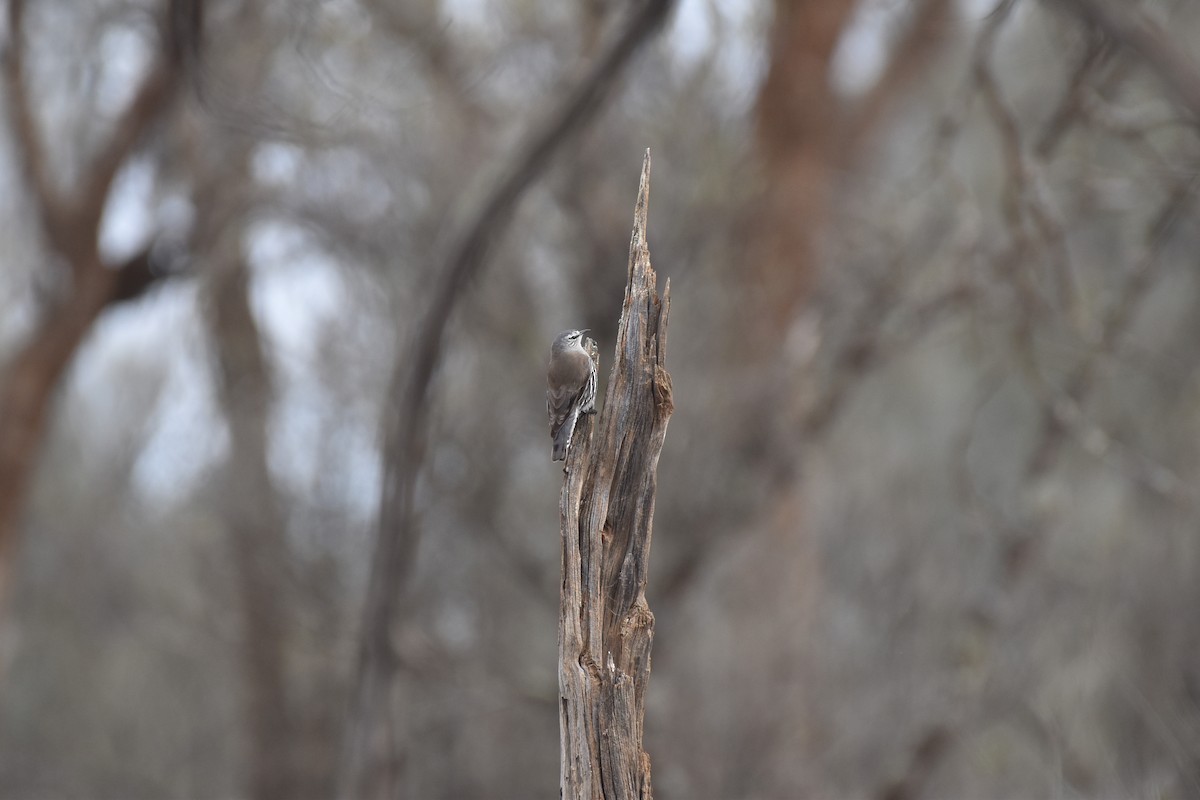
(585, 330)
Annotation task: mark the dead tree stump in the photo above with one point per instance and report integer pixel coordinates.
(607, 510)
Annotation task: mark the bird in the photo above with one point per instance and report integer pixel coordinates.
(570, 388)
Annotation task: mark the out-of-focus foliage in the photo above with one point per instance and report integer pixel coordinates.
(935, 535)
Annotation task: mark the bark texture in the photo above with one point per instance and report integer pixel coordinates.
(607, 511)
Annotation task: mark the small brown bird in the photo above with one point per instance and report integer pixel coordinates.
(571, 388)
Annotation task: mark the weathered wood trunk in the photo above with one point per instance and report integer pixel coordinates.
(607, 510)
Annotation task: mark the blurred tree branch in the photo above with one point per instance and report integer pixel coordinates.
(363, 764)
(1154, 46)
(20, 113)
(256, 532)
(1068, 111)
(419, 26)
(71, 226)
(1063, 408)
(923, 39)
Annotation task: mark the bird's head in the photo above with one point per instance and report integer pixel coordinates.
(568, 339)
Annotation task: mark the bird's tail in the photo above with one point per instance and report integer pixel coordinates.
(562, 439)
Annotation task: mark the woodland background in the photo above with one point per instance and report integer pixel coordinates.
(927, 515)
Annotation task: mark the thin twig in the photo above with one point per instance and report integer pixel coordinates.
(1157, 50)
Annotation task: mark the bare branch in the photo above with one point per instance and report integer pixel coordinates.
(1025, 195)
(1062, 407)
(1158, 50)
(1074, 98)
(71, 224)
(256, 528)
(180, 38)
(71, 229)
(32, 156)
(922, 40)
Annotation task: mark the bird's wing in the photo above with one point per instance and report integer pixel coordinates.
(558, 406)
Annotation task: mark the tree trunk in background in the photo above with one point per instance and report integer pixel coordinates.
(257, 536)
(798, 119)
(28, 387)
(607, 508)
(70, 225)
